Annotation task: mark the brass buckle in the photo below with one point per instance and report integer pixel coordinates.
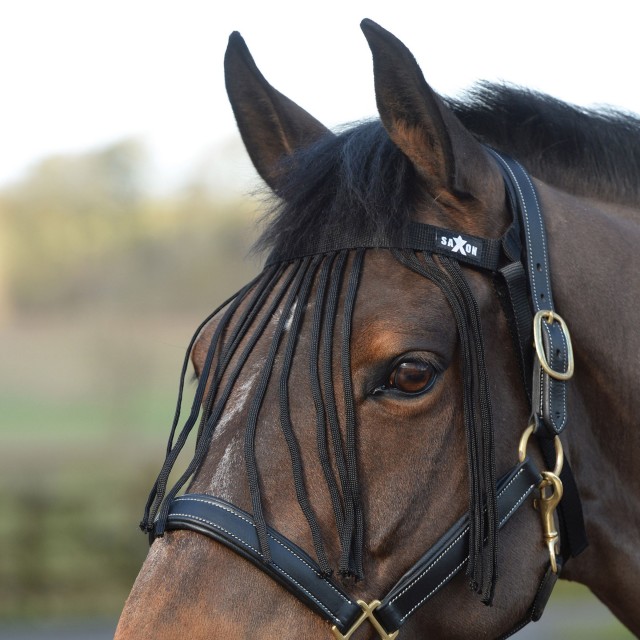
(550, 495)
(551, 317)
(367, 614)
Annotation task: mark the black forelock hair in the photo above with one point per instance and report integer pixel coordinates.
(359, 179)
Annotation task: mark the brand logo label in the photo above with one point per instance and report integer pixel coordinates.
(459, 245)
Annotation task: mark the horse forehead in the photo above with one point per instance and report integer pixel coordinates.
(394, 303)
(392, 281)
(203, 341)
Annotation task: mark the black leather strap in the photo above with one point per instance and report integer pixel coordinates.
(549, 395)
(300, 574)
(450, 554)
(290, 565)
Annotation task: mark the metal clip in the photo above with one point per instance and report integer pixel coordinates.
(550, 489)
(551, 317)
(547, 503)
(367, 614)
(524, 441)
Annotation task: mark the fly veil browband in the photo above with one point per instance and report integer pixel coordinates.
(519, 263)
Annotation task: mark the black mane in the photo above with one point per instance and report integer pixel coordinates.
(358, 179)
(587, 152)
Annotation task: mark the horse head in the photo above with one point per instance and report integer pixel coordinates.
(359, 397)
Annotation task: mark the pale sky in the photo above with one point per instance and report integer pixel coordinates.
(77, 74)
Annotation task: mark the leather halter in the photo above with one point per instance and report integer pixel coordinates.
(519, 261)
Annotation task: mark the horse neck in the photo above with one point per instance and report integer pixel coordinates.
(595, 267)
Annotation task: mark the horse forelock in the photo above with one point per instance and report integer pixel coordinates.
(356, 181)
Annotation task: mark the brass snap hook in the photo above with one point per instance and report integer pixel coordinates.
(550, 496)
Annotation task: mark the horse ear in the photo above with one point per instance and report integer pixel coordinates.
(271, 125)
(444, 153)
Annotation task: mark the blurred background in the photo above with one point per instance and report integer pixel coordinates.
(126, 216)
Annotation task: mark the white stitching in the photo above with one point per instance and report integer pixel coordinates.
(506, 486)
(217, 526)
(530, 260)
(551, 364)
(310, 567)
(516, 505)
(245, 544)
(528, 229)
(454, 571)
(563, 387)
(188, 498)
(427, 569)
(542, 235)
(433, 564)
(320, 604)
(241, 517)
(444, 580)
(526, 220)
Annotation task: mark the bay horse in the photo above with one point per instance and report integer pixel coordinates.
(361, 403)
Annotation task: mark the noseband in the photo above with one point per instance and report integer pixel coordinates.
(519, 263)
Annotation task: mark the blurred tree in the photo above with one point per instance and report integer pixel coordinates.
(68, 211)
(6, 304)
(108, 280)
(84, 229)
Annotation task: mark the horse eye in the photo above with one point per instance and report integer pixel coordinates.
(412, 377)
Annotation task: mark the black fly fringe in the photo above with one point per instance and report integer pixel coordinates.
(262, 291)
(280, 296)
(157, 494)
(484, 576)
(207, 429)
(285, 417)
(329, 322)
(354, 530)
(483, 522)
(256, 404)
(316, 393)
